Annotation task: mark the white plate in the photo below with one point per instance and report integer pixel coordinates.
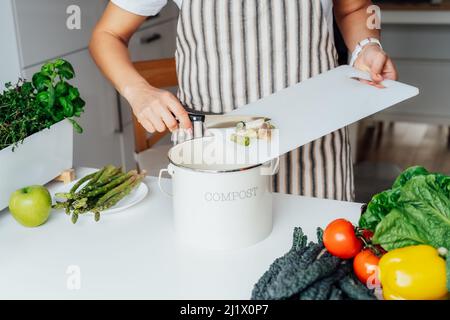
(136, 196)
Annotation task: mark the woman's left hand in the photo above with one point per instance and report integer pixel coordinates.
(374, 60)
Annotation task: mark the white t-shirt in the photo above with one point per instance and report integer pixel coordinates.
(152, 7)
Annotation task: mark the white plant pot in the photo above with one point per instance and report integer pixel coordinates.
(38, 160)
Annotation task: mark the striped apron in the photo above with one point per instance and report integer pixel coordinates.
(234, 52)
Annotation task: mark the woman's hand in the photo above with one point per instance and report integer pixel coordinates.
(156, 109)
(375, 61)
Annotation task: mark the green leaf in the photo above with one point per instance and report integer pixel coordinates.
(43, 98)
(408, 174)
(59, 62)
(378, 208)
(67, 106)
(65, 70)
(48, 69)
(397, 231)
(41, 82)
(78, 106)
(76, 126)
(62, 88)
(73, 93)
(422, 217)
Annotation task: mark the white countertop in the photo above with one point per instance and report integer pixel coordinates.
(133, 254)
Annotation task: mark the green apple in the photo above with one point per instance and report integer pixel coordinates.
(31, 206)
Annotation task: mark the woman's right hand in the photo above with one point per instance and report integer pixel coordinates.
(156, 109)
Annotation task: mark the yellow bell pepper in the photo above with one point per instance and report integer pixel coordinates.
(413, 273)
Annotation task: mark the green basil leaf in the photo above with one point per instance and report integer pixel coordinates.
(62, 88)
(48, 69)
(41, 81)
(76, 126)
(67, 106)
(66, 71)
(73, 93)
(78, 104)
(43, 98)
(59, 62)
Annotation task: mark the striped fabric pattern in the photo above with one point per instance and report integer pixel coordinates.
(233, 52)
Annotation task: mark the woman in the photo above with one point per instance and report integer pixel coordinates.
(233, 52)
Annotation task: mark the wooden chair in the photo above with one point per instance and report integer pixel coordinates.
(160, 74)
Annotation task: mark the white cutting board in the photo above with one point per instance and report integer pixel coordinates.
(325, 103)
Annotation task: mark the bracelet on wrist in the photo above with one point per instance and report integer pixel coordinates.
(360, 46)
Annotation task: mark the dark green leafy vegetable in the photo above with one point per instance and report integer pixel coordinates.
(29, 107)
(322, 289)
(354, 289)
(298, 247)
(308, 272)
(336, 294)
(286, 287)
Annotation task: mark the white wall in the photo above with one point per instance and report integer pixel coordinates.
(9, 55)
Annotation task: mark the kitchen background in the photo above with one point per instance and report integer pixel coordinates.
(415, 33)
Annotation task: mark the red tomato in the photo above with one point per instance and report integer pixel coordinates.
(365, 265)
(340, 240)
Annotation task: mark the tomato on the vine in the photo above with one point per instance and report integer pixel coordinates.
(340, 239)
(365, 265)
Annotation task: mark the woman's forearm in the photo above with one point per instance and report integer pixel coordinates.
(109, 49)
(352, 19)
(154, 108)
(112, 57)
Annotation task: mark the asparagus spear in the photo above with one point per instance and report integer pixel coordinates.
(90, 187)
(95, 178)
(81, 181)
(116, 190)
(114, 199)
(105, 188)
(80, 203)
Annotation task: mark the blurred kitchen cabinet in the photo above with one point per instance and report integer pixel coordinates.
(35, 32)
(100, 143)
(432, 105)
(42, 29)
(422, 55)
